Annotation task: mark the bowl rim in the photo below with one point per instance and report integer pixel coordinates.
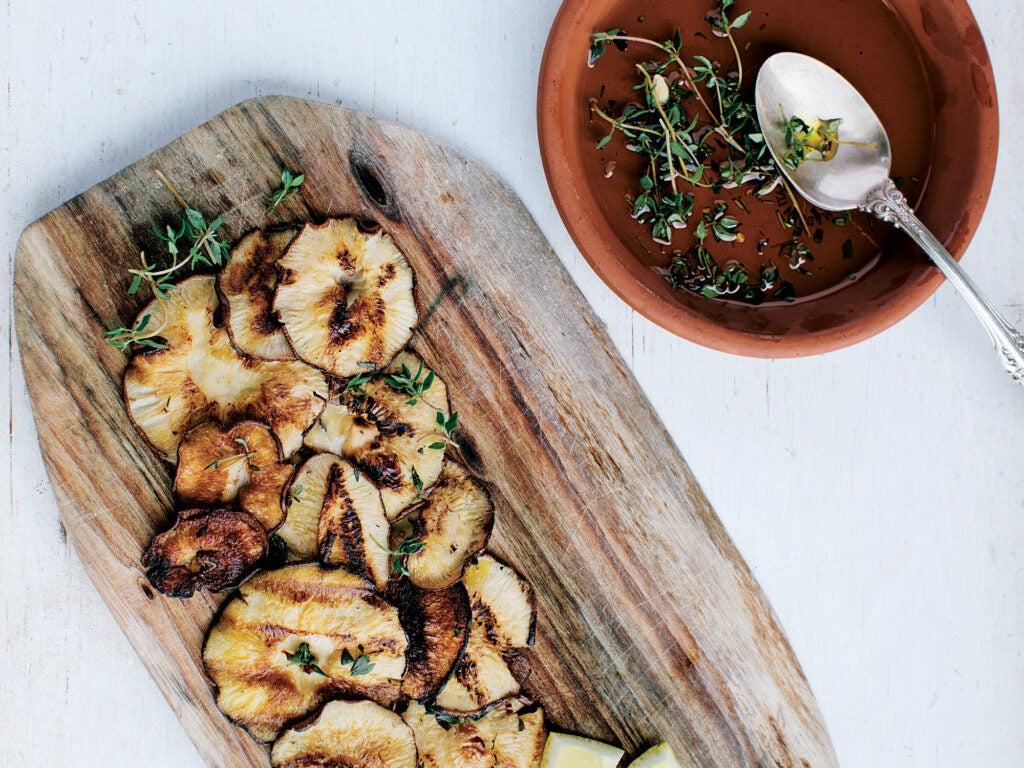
(675, 317)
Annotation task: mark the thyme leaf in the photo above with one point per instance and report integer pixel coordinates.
(122, 338)
(695, 125)
(303, 658)
(289, 183)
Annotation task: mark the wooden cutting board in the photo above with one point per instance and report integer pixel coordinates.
(650, 624)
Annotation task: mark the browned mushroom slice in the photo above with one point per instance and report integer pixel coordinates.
(336, 514)
(352, 530)
(305, 501)
(347, 734)
(345, 297)
(214, 549)
(388, 432)
(511, 736)
(437, 624)
(234, 466)
(453, 525)
(502, 602)
(503, 620)
(481, 679)
(247, 284)
(200, 377)
(297, 636)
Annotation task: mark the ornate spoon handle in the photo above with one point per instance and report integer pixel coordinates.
(888, 203)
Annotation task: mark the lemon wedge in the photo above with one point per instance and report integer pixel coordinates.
(566, 751)
(660, 756)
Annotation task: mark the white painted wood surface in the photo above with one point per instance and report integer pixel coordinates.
(876, 492)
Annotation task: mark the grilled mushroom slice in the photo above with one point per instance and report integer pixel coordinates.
(387, 431)
(234, 466)
(345, 297)
(214, 549)
(437, 625)
(200, 377)
(502, 601)
(481, 680)
(511, 737)
(503, 620)
(297, 636)
(453, 525)
(247, 283)
(347, 734)
(336, 514)
(352, 530)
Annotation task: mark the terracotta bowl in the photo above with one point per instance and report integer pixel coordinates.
(923, 66)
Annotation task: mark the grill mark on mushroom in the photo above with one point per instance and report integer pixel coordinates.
(345, 523)
(384, 470)
(359, 319)
(276, 611)
(345, 298)
(387, 275)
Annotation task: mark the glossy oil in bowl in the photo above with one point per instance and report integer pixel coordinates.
(922, 66)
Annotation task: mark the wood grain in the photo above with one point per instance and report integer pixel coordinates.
(651, 626)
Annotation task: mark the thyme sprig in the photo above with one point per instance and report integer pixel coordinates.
(409, 546)
(813, 141)
(205, 247)
(447, 424)
(696, 126)
(357, 665)
(236, 458)
(417, 483)
(122, 337)
(354, 386)
(289, 183)
(303, 658)
(410, 383)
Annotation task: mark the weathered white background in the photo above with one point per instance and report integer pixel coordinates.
(877, 492)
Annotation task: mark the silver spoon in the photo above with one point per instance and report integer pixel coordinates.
(858, 175)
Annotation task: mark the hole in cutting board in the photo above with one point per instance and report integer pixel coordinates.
(368, 172)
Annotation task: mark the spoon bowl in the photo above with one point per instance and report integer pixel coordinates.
(794, 84)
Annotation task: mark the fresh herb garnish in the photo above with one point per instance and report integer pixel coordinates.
(409, 546)
(122, 338)
(361, 666)
(204, 247)
(354, 385)
(235, 458)
(817, 141)
(457, 720)
(794, 131)
(409, 383)
(695, 125)
(304, 659)
(289, 184)
(293, 494)
(448, 425)
(358, 665)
